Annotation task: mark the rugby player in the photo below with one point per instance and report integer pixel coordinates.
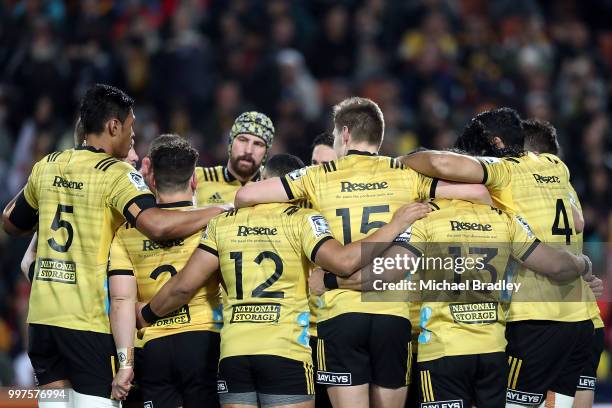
(78, 198)
(181, 351)
(323, 149)
(250, 139)
(264, 254)
(461, 356)
(545, 338)
(278, 166)
(541, 137)
(363, 346)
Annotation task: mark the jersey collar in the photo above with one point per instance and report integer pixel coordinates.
(229, 177)
(175, 204)
(361, 153)
(90, 148)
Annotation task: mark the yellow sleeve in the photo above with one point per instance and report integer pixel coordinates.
(208, 241)
(496, 172)
(300, 183)
(413, 239)
(119, 262)
(523, 239)
(127, 186)
(423, 187)
(30, 191)
(313, 230)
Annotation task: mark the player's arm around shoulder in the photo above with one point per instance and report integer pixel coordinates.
(201, 266)
(445, 165)
(271, 190)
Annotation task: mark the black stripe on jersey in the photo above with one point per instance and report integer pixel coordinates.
(143, 201)
(204, 174)
(51, 157)
(316, 248)
(434, 205)
(513, 160)
(293, 209)
(392, 163)
(432, 188)
(485, 173)
(210, 174)
(531, 248)
(231, 212)
(326, 167)
(208, 249)
(104, 162)
(287, 188)
(123, 272)
(107, 165)
(333, 165)
(23, 215)
(216, 172)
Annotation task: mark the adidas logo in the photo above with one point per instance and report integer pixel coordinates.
(216, 197)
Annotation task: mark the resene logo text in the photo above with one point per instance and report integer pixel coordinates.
(244, 231)
(348, 187)
(59, 181)
(545, 179)
(470, 226)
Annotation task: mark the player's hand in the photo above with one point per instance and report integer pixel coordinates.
(597, 286)
(122, 383)
(315, 282)
(140, 321)
(409, 213)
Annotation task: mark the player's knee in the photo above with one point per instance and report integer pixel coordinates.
(91, 401)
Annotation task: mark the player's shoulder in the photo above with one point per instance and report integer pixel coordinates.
(210, 174)
(127, 231)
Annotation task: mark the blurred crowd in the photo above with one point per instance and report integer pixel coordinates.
(194, 65)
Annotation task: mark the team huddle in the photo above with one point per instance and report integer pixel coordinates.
(252, 284)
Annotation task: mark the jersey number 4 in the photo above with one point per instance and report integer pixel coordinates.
(561, 216)
(259, 291)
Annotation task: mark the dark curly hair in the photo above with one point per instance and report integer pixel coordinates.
(281, 164)
(540, 136)
(173, 161)
(102, 103)
(505, 123)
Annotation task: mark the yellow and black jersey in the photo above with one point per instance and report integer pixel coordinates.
(489, 238)
(357, 194)
(217, 185)
(265, 254)
(537, 187)
(82, 196)
(153, 264)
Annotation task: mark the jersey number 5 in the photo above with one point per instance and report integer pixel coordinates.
(259, 291)
(59, 223)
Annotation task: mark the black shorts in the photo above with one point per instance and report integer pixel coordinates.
(321, 397)
(545, 356)
(464, 381)
(87, 359)
(588, 375)
(363, 348)
(181, 370)
(265, 374)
